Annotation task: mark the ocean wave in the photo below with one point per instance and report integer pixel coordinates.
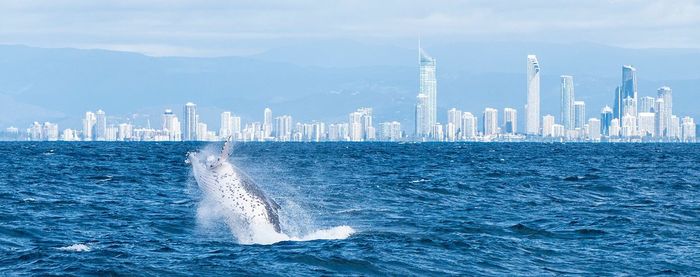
(78, 247)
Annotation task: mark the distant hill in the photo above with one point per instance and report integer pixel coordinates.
(322, 81)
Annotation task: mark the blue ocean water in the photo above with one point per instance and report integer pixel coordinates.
(417, 209)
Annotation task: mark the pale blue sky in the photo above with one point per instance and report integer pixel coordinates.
(213, 28)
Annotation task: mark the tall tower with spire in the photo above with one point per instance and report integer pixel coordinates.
(532, 109)
(428, 88)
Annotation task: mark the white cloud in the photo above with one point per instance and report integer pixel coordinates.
(211, 27)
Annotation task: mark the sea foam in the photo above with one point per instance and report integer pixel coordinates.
(78, 247)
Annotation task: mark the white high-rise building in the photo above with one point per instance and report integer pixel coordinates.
(69, 135)
(469, 126)
(283, 128)
(594, 129)
(202, 132)
(510, 121)
(225, 125)
(236, 127)
(665, 94)
(454, 116)
(100, 126)
(451, 132)
(615, 129)
(532, 109)
(390, 131)
(660, 109)
(646, 124)
(567, 102)
(125, 132)
(548, 125)
(191, 120)
(112, 133)
(629, 126)
(438, 133)
(355, 125)
(50, 131)
(674, 129)
(422, 124)
(338, 132)
(171, 126)
(558, 131)
(89, 126)
(368, 131)
(35, 132)
(647, 104)
(688, 129)
(428, 87)
(579, 114)
(360, 124)
(490, 123)
(267, 123)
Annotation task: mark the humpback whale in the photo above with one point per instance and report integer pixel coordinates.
(235, 191)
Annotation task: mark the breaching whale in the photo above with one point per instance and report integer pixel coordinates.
(235, 191)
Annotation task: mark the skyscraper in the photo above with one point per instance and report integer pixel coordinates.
(360, 124)
(390, 131)
(89, 126)
(661, 123)
(454, 117)
(490, 124)
(368, 131)
(283, 128)
(100, 126)
(646, 123)
(171, 125)
(510, 121)
(468, 126)
(236, 127)
(665, 93)
(606, 117)
(422, 126)
(125, 132)
(629, 90)
(567, 102)
(687, 129)
(674, 128)
(428, 87)
(594, 128)
(617, 105)
(202, 131)
(579, 114)
(532, 109)
(225, 125)
(614, 128)
(190, 116)
(267, 123)
(629, 126)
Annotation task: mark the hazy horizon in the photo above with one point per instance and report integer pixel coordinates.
(244, 56)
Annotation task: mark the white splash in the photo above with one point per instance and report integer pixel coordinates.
(231, 197)
(78, 247)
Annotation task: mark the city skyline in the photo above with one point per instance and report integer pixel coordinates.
(656, 121)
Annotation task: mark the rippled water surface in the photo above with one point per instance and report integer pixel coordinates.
(417, 209)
